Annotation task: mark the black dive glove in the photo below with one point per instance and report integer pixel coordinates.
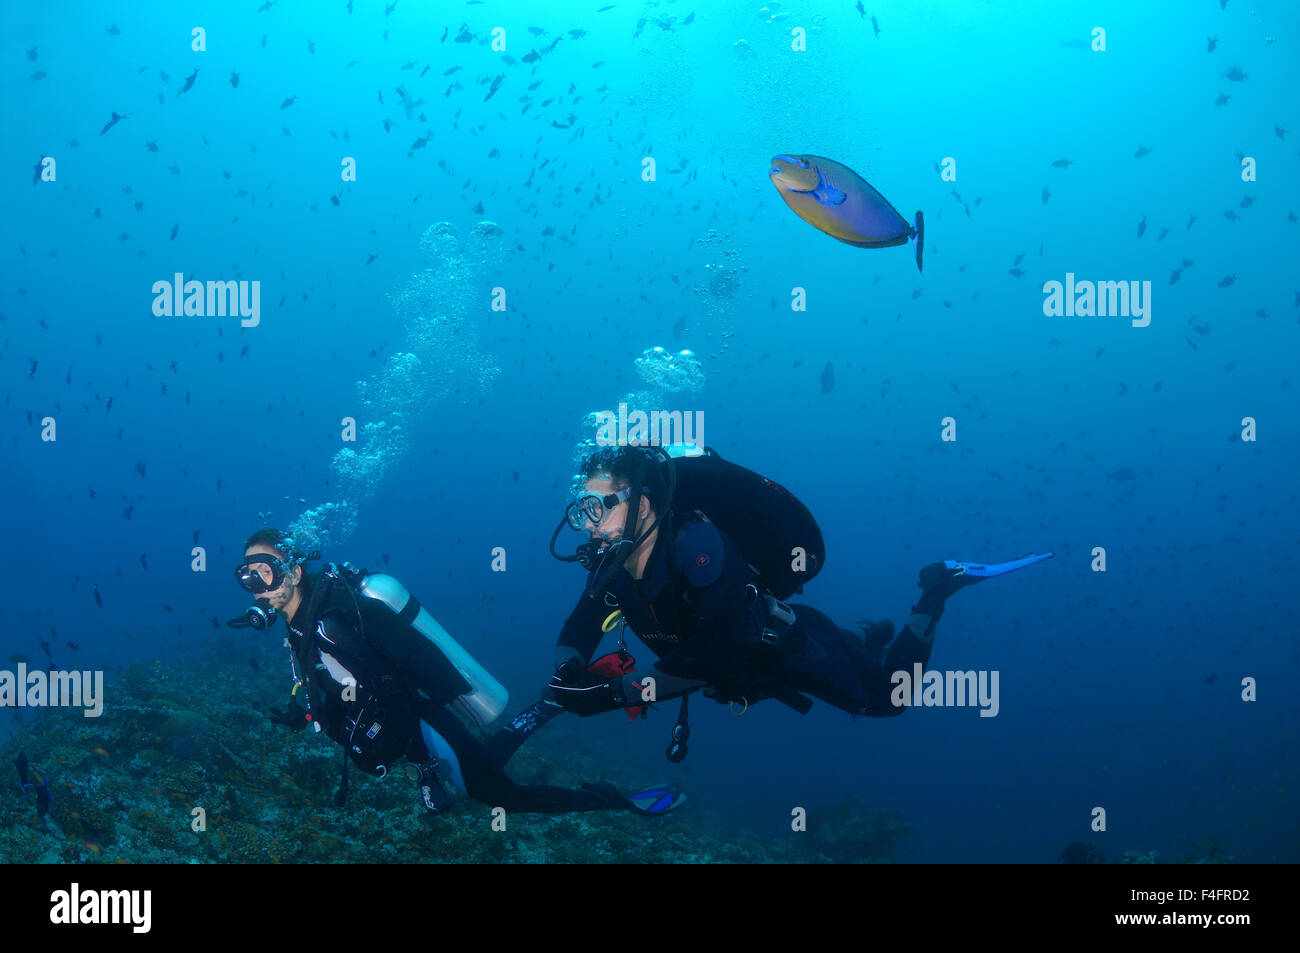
(290, 715)
(584, 693)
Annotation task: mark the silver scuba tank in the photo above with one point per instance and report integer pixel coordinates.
(487, 697)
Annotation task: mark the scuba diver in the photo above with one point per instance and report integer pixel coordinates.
(695, 554)
(378, 675)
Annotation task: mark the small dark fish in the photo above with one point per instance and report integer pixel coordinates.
(1211, 43)
(875, 27)
(234, 80)
(99, 601)
(828, 378)
(1279, 131)
(1123, 475)
(1235, 75)
(1227, 281)
(454, 69)
(389, 8)
(31, 54)
(1142, 226)
(1062, 163)
(1046, 195)
(1210, 679)
(289, 102)
(18, 658)
(111, 123)
(601, 10)
(1015, 272)
(175, 228)
(1222, 100)
(45, 647)
(144, 561)
(1141, 151)
(113, 30)
(253, 662)
(189, 81)
(73, 645)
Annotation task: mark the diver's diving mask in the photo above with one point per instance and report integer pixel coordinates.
(593, 506)
(261, 573)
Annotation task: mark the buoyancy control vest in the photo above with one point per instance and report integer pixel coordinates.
(776, 533)
(424, 656)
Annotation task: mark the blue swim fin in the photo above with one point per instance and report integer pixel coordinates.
(918, 232)
(656, 799)
(985, 570)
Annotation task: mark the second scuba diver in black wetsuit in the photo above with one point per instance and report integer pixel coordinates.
(360, 699)
(685, 588)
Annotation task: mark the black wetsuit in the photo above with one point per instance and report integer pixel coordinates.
(695, 609)
(380, 697)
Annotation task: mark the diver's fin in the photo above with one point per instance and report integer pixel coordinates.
(656, 799)
(985, 570)
(920, 237)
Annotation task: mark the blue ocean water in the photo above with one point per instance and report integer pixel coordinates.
(1033, 154)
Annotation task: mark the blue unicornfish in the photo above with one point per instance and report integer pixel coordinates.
(832, 197)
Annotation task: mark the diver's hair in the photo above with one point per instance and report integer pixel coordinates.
(621, 465)
(271, 537)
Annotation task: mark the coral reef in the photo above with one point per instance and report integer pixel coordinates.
(184, 767)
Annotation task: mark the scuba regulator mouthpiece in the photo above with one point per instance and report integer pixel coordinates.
(259, 616)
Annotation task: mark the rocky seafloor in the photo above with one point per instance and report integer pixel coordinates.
(125, 787)
(185, 735)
